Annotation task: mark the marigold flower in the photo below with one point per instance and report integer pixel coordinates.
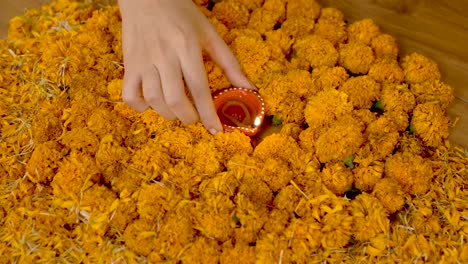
(287, 199)
(430, 124)
(412, 172)
(435, 92)
(336, 229)
(304, 238)
(339, 142)
(141, 236)
(303, 8)
(272, 247)
(298, 27)
(418, 68)
(337, 178)
(361, 91)
(325, 107)
(386, 71)
(367, 175)
(265, 18)
(252, 54)
(316, 50)
(384, 46)
(390, 194)
(276, 222)
(251, 4)
(242, 253)
(370, 217)
(326, 78)
(231, 13)
(397, 98)
(363, 31)
(356, 57)
(44, 162)
(332, 31)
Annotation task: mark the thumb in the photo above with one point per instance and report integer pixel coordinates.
(224, 58)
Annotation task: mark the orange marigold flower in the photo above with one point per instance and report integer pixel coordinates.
(332, 14)
(390, 194)
(276, 174)
(435, 92)
(362, 91)
(339, 142)
(386, 71)
(154, 200)
(326, 78)
(337, 178)
(412, 172)
(316, 50)
(287, 199)
(44, 162)
(332, 31)
(231, 13)
(252, 54)
(241, 252)
(298, 27)
(141, 236)
(325, 107)
(303, 8)
(370, 217)
(202, 250)
(397, 98)
(278, 146)
(356, 57)
(276, 222)
(418, 68)
(265, 18)
(367, 175)
(430, 124)
(272, 247)
(305, 238)
(384, 46)
(363, 31)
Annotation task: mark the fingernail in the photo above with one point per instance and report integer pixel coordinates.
(213, 131)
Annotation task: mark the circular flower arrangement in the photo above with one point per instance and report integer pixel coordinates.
(359, 170)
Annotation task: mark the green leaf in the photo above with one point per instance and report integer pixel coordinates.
(276, 121)
(349, 161)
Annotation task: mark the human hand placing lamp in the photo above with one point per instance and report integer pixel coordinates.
(162, 46)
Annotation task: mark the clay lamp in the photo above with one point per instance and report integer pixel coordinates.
(240, 108)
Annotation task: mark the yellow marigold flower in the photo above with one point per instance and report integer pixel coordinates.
(370, 217)
(251, 4)
(367, 175)
(303, 8)
(412, 172)
(111, 153)
(287, 198)
(44, 162)
(141, 236)
(279, 42)
(229, 144)
(435, 92)
(126, 111)
(386, 71)
(337, 178)
(411, 144)
(241, 164)
(103, 122)
(305, 237)
(114, 89)
(300, 82)
(336, 229)
(291, 110)
(81, 139)
(307, 140)
(362, 91)
(265, 18)
(327, 78)
(430, 124)
(124, 214)
(249, 218)
(390, 194)
(77, 173)
(316, 50)
(423, 218)
(385, 46)
(418, 68)
(47, 124)
(252, 54)
(256, 190)
(174, 234)
(332, 14)
(150, 160)
(278, 146)
(417, 245)
(382, 144)
(292, 130)
(214, 218)
(202, 250)
(332, 31)
(237, 32)
(276, 174)
(276, 222)
(299, 63)
(363, 31)
(154, 200)
(217, 79)
(325, 107)
(241, 253)
(298, 27)
(231, 13)
(397, 98)
(340, 141)
(176, 141)
(356, 57)
(273, 248)
(204, 157)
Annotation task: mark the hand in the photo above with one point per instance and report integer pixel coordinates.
(162, 47)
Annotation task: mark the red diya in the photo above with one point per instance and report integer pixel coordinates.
(240, 108)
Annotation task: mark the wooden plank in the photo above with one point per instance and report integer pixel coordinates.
(11, 8)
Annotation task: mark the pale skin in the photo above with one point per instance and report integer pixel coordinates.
(162, 47)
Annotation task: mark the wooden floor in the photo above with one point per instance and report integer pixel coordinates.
(436, 28)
